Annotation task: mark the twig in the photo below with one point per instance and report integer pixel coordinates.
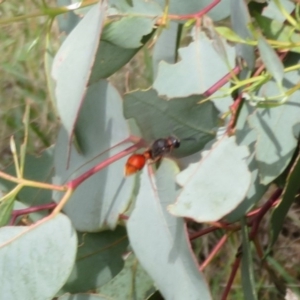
(214, 252)
(77, 181)
(25, 211)
(234, 269)
(264, 209)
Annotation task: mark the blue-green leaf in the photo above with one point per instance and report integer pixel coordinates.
(73, 62)
(247, 136)
(36, 260)
(165, 48)
(98, 260)
(271, 60)
(240, 20)
(131, 283)
(182, 117)
(274, 127)
(156, 236)
(213, 187)
(179, 7)
(200, 67)
(98, 201)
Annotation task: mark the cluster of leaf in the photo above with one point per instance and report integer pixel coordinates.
(216, 174)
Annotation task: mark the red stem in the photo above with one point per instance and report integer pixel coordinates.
(77, 181)
(234, 109)
(25, 211)
(214, 252)
(264, 209)
(73, 184)
(256, 211)
(202, 232)
(222, 82)
(198, 14)
(235, 267)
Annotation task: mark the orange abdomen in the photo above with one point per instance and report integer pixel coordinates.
(135, 163)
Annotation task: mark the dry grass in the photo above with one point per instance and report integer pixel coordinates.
(23, 79)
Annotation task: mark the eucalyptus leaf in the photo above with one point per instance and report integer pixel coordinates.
(275, 13)
(240, 18)
(131, 283)
(98, 260)
(98, 201)
(200, 67)
(246, 135)
(193, 123)
(179, 7)
(128, 32)
(159, 240)
(271, 60)
(281, 32)
(138, 21)
(26, 262)
(207, 192)
(276, 140)
(72, 78)
(69, 20)
(165, 48)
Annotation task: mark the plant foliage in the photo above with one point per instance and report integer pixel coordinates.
(222, 76)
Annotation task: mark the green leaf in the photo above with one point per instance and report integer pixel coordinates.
(285, 279)
(281, 32)
(165, 48)
(276, 140)
(131, 283)
(143, 8)
(229, 34)
(110, 58)
(288, 196)
(7, 204)
(139, 21)
(98, 260)
(183, 117)
(247, 271)
(128, 32)
(156, 236)
(37, 168)
(271, 60)
(69, 20)
(179, 7)
(36, 260)
(240, 20)
(73, 63)
(98, 201)
(213, 187)
(272, 10)
(200, 67)
(247, 136)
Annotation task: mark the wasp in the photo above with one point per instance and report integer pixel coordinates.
(155, 152)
